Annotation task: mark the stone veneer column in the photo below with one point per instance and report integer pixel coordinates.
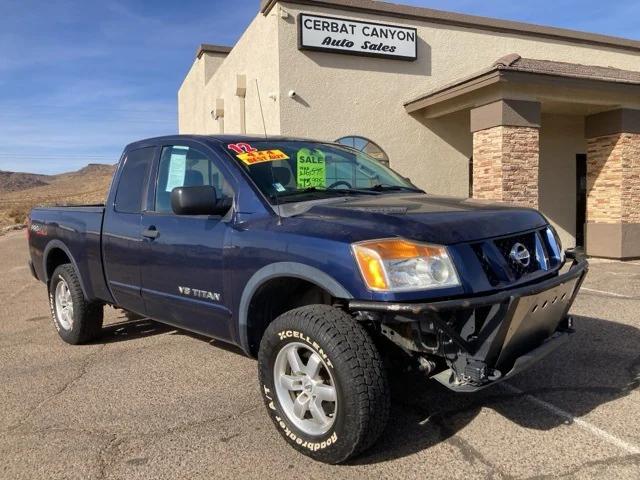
(506, 151)
(613, 184)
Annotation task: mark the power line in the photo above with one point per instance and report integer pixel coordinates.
(40, 106)
(111, 159)
(120, 121)
(56, 156)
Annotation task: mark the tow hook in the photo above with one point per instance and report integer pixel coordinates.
(425, 365)
(475, 372)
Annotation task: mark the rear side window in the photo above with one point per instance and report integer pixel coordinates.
(133, 180)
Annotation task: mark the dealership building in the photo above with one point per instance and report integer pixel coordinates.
(463, 105)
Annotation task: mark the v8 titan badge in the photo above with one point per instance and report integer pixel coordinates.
(204, 294)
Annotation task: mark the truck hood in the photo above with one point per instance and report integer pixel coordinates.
(422, 217)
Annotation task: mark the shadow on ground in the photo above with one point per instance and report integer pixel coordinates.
(600, 364)
(132, 330)
(125, 330)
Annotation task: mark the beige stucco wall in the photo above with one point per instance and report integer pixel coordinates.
(340, 95)
(561, 138)
(255, 55)
(194, 115)
(345, 94)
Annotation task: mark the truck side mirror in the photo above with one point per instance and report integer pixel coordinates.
(201, 200)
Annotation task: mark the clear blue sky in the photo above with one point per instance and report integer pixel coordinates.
(81, 78)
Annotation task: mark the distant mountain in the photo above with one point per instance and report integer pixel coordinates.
(94, 169)
(14, 181)
(19, 192)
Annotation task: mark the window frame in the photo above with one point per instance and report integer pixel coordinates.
(206, 152)
(386, 161)
(144, 194)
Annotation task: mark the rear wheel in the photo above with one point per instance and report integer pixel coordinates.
(323, 383)
(76, 319)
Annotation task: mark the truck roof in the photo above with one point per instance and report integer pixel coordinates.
(227, 138)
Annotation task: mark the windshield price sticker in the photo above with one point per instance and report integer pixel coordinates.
(241, 147)
(311, 168)
(177, 168)
(259, 156)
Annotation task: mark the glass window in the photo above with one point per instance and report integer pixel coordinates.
(367, 146)
(182, 166)
(133, 180)
(305, 170)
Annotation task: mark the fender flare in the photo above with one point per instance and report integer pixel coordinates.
(282, 269)
(58, 244)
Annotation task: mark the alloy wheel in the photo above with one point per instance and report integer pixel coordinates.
(305, 388)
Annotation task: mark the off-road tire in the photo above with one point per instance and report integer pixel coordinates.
(87, 316)
(358, 373)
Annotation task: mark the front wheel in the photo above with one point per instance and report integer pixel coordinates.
(323, 382)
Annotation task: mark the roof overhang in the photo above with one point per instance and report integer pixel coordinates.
(466, 91)
(213, 49)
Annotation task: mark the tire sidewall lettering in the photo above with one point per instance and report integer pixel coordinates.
(313, 446)
(299, 440)
(296, 335)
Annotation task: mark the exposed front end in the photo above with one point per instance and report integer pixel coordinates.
(471, 341)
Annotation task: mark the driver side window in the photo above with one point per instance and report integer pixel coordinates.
(182, 166)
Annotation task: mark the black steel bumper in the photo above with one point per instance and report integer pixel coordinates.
(490, 338)
(448, 378)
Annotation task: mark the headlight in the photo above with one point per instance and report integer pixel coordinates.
(393, 265)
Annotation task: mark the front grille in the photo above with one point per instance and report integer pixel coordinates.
(486, 264)
(505, 246)
(500, 266)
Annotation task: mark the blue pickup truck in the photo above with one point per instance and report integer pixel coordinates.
(327, 266)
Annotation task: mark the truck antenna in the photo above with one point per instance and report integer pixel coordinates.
(273, 177)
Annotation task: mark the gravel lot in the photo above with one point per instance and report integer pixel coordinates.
(148, 401)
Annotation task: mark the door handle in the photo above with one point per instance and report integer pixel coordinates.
(151, 232)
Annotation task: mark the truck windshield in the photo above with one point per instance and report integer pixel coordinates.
(296, 171)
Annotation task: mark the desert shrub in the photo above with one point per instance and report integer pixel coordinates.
(19, 213)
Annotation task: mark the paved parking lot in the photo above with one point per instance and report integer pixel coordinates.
(151, 402)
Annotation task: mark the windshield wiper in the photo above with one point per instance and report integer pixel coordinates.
(375, 190)
(331, 191)
(390, 188)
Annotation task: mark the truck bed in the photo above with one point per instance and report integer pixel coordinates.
(74, 230)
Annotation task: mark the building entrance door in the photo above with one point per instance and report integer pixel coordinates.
(581, 198)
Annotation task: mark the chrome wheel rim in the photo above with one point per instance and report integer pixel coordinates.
(305, 388)
(64, 305)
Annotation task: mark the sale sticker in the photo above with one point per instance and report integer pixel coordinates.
(311, 168)
(259, 156)
(241, 147)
